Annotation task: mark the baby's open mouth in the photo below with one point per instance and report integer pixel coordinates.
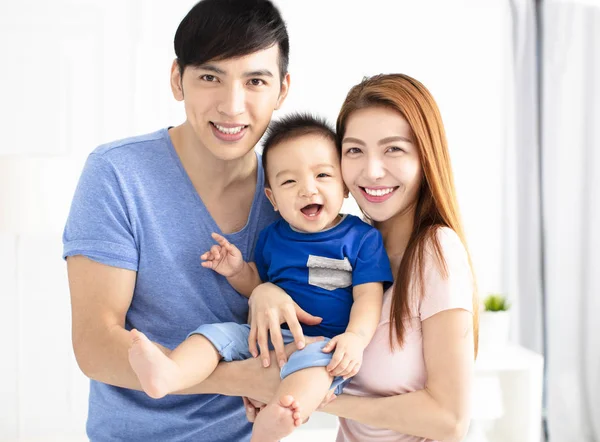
(312, 209)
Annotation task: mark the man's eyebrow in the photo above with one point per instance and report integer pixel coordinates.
(211, 68)
(217, 70)
(259, 73)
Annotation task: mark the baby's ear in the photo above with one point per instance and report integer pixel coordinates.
(346, 192)
(271, 198)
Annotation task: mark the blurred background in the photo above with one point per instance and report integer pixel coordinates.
(518, 85)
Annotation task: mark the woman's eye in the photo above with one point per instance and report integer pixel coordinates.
(353, 150)
(395, 149)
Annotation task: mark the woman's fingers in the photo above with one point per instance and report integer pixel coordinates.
(251, 410)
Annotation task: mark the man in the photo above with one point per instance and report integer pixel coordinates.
(144, 211)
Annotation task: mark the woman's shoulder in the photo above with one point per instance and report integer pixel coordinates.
(451, 247)
(447, 277)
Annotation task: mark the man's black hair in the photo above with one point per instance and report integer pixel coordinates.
(294, 126)
(222, 29)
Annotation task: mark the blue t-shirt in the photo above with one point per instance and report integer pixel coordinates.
(136, 208)
(318, 270)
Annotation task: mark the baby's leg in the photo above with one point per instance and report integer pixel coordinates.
(189, 364)
(299, 394)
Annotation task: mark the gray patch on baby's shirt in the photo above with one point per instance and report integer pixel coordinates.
(329, 273)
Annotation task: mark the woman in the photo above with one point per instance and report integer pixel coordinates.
(416, 377)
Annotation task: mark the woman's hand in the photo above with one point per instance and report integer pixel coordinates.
(329, 397)
(252, 407)
(269, 308)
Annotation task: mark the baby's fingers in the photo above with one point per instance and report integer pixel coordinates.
(341, 367)
(352, 370)
(221, 240)
(330, 346)
(216, 252)
(336, 359)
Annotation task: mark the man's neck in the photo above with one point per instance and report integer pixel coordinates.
(207, 172)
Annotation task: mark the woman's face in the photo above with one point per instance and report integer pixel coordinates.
(380, 162)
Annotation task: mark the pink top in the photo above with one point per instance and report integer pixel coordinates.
(384, 373)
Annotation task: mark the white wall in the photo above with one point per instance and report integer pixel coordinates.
(79, 73)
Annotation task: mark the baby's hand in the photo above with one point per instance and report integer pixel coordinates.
(224, 258)
(347, 359)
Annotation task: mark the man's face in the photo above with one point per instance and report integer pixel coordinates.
(306, 184)
(229, 103)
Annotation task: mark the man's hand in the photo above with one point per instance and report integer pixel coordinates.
(269, 308)
(347, 359)
(224, 258)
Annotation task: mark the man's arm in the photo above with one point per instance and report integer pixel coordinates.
(100, 298)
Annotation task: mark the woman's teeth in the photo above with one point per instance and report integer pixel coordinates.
(378, 192)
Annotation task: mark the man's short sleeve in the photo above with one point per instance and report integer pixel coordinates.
(259, 256)
(372, 263)
(98, 225)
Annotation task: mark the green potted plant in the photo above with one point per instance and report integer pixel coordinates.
(494, 322)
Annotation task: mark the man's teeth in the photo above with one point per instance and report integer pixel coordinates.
(229, 130)
(379, 192)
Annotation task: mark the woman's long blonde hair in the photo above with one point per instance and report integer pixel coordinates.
(436, 204)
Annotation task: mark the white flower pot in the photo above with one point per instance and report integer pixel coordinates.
(494, 330)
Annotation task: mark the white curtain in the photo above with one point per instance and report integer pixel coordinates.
(522, 259)
(552, 184)
(571, 192)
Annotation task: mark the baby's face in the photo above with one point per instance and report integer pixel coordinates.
(306, 182)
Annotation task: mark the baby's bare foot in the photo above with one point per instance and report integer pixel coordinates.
(277, 420)
(153, 368)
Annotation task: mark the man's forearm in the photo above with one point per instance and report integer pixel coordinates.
(108, 362)
(104, 357)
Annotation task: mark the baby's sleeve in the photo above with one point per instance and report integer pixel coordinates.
(372, 263)
(453, 290)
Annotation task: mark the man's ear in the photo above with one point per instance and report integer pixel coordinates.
(283, 91)
(176, 81)
(269, 194)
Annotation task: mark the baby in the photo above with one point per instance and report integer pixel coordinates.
(333, 266)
